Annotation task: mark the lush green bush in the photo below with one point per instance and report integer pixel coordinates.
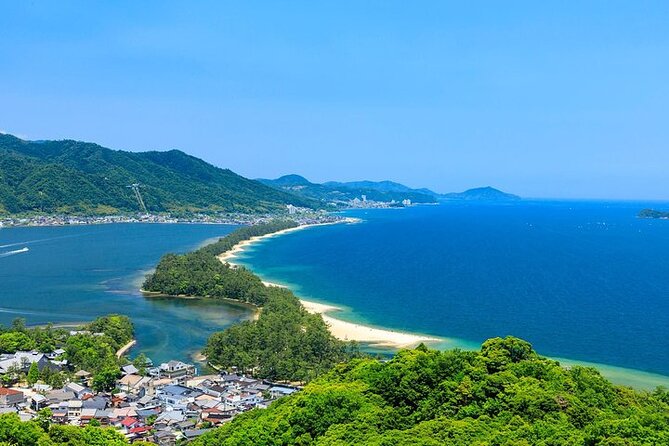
(284, 343)
(39, 433)
(201, 273)
(503, 395)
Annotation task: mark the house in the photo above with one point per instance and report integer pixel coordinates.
(177, 369)
(279, 391)
(130, 423)
(10, 397)
(74, 408)
(192, 434)
(60, 395)
(78, 390)
(23, 360)
(177, 396)
(165, 438)
(38, 401)
(129, 369)
(96, 403)
(55, 354)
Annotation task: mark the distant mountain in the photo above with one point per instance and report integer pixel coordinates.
(340, 193)
(79, 177)
(481, 194)
(381, 186)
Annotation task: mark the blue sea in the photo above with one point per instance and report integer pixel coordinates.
(75, 273)
(582, 280)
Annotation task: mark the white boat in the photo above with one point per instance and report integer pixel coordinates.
(11, 253)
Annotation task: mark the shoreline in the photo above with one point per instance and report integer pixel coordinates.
(339, 328)
(126, 348)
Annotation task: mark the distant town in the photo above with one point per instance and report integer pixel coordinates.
(299, 214)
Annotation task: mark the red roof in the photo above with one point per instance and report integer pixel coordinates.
(129, 421)
(140, 429)
(6, 391)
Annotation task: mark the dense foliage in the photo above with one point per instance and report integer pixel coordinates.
(503, 395)
(284, 343)
(39, 432)
(92, 347)
(201, 273)
(78, 177)
(95, 351)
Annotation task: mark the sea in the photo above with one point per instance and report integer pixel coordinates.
(586, 282)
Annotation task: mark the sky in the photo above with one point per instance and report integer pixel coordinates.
(543, 99)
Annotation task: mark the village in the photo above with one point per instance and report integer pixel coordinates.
(167, 405)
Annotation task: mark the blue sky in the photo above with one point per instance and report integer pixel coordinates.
(543, 99)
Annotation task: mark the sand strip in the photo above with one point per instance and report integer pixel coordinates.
(344, 330)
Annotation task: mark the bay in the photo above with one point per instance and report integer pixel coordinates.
(76, 273)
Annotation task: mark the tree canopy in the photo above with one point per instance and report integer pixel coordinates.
(201, 273)
(504, 394)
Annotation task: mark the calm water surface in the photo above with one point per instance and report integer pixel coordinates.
(580, 280)
(75, 273)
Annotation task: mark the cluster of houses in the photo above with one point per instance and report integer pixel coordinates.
(168, 404)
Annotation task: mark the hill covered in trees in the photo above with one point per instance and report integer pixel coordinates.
(480, 194)
(504, 394)
(342, 193)
(79, 177)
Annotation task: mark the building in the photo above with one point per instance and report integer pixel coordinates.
(10, 397)
(177, 369)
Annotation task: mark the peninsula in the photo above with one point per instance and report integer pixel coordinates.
(211, 272)
(341, 329)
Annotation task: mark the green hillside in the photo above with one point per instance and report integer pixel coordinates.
(78, 177)
(504, 395)
(342, 193)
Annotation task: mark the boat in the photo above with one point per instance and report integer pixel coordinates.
(16, 251)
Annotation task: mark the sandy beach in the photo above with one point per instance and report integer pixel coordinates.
(349, 331)
(344, 330)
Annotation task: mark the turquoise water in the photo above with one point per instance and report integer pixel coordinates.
(581, 280)
(75, 273)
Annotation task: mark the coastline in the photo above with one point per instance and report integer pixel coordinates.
(340, 329)
(349, 331)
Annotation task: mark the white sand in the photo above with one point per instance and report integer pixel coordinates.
(346, 331)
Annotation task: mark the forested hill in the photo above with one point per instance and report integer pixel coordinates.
(79, 177)
(505, 394)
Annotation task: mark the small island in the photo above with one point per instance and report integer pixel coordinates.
(652, 213)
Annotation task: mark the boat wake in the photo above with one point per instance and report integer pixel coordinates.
(41, 240)
(11, 253)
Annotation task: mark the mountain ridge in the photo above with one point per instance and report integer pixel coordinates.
(69, 176)
(341, 193)
(385, 190)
